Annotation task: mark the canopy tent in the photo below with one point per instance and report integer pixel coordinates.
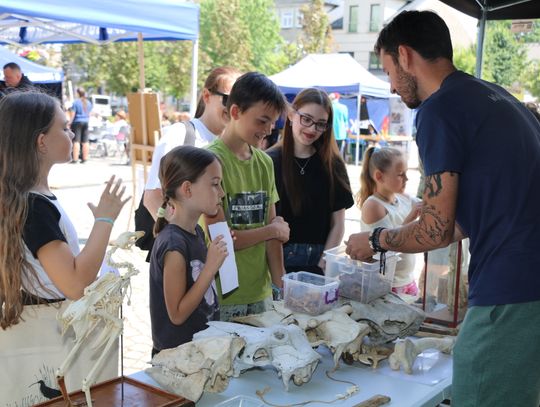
(32, 22)
(485, 10)
(333, 73)
(44, 77)
(337, 73)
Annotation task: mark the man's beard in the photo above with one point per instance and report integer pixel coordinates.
(408, 88)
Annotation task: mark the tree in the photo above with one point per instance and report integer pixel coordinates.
(504, 55)
(316, 30)
(243, 34)
(465, 59)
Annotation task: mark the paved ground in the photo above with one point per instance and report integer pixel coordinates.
(77, 184)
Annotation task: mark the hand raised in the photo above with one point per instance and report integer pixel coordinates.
(111, 202)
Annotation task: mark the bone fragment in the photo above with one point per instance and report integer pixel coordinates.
(375, 401)
(406, 351)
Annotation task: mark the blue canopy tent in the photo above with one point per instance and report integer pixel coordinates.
(97, 22)
(48, 78)
(338, 73)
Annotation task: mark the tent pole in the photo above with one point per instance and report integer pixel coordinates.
(194, 69)
(480, 42)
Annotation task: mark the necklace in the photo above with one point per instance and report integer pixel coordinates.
(302, 167)
(385, 199)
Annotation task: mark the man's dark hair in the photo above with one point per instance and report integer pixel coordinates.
(254, 87)
(12, 65)
(423, 31)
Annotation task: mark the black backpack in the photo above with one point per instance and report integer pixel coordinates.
(143, 219)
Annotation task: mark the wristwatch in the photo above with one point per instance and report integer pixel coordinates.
(373, 240)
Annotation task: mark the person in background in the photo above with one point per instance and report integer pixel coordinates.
(14, 79)
(42, 264)
(208, 123)
(478, 185)
(121, 131)
(182, 288)
(340, 121)
(254, 105)
(80, 115)
(312, 182)
(383, 203)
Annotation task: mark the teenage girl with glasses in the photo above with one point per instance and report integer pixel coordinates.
(312, 182)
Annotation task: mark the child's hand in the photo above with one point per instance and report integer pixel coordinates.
(415, 212)
(281, 229)
(111, 202)
(217, 253)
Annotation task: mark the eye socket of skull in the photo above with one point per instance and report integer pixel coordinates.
(260, 355)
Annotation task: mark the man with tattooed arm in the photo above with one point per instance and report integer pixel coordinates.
(481, 153)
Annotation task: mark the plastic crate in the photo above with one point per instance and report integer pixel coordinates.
(360, 281)
(309, 293)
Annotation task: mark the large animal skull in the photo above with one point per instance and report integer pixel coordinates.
(284, 347)
(389, 318)
(193, 367)
(334, 328)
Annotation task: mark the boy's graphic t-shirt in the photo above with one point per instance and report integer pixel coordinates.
(249, 191)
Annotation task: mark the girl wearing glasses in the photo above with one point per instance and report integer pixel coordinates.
(312, 182)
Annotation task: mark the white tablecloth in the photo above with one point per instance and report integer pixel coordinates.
(429, 384)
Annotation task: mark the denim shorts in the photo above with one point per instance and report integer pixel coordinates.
(303, 257)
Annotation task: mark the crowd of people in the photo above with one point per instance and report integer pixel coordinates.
(480, 148)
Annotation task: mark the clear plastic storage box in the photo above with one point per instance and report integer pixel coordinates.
(359, 280)
(309, 293)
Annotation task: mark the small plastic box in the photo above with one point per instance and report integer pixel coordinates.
(241, 401)
(309, 293)
(360, 281)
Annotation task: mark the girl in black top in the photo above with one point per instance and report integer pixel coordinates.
(312, 182)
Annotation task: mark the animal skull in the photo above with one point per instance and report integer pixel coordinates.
(204, 364)
(284, 347)
(389, 318)
(334, 328)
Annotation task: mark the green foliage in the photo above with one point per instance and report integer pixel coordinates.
(503, 54)
(240, 33)
(465, 59)
(316, 30)
(531, 78)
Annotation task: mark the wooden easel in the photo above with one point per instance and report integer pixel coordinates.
(145, 120)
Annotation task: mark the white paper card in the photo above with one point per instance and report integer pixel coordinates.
(228, 272)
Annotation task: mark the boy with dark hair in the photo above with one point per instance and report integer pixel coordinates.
(254, 105)
(477, 186)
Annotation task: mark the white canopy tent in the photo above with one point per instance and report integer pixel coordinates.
(333, 73)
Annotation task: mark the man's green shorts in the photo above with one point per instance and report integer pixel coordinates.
(497, 357)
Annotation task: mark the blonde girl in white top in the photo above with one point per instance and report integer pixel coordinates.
(384, 204)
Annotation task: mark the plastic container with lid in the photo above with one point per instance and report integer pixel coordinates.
(309, 293)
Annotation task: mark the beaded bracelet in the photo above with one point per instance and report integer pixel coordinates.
(107, 220)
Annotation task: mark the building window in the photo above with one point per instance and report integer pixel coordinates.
(375, 18)
(353, 19)
(374, 61)
(287, 18)
(299, 19)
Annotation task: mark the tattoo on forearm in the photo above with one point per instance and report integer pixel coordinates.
(433, 185)
(431, 230)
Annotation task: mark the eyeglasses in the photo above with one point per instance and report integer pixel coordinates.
(224, 97)
(307, 121)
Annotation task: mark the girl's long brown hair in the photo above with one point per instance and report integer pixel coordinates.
(325, 145)
(23, 117)
(374, 159)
